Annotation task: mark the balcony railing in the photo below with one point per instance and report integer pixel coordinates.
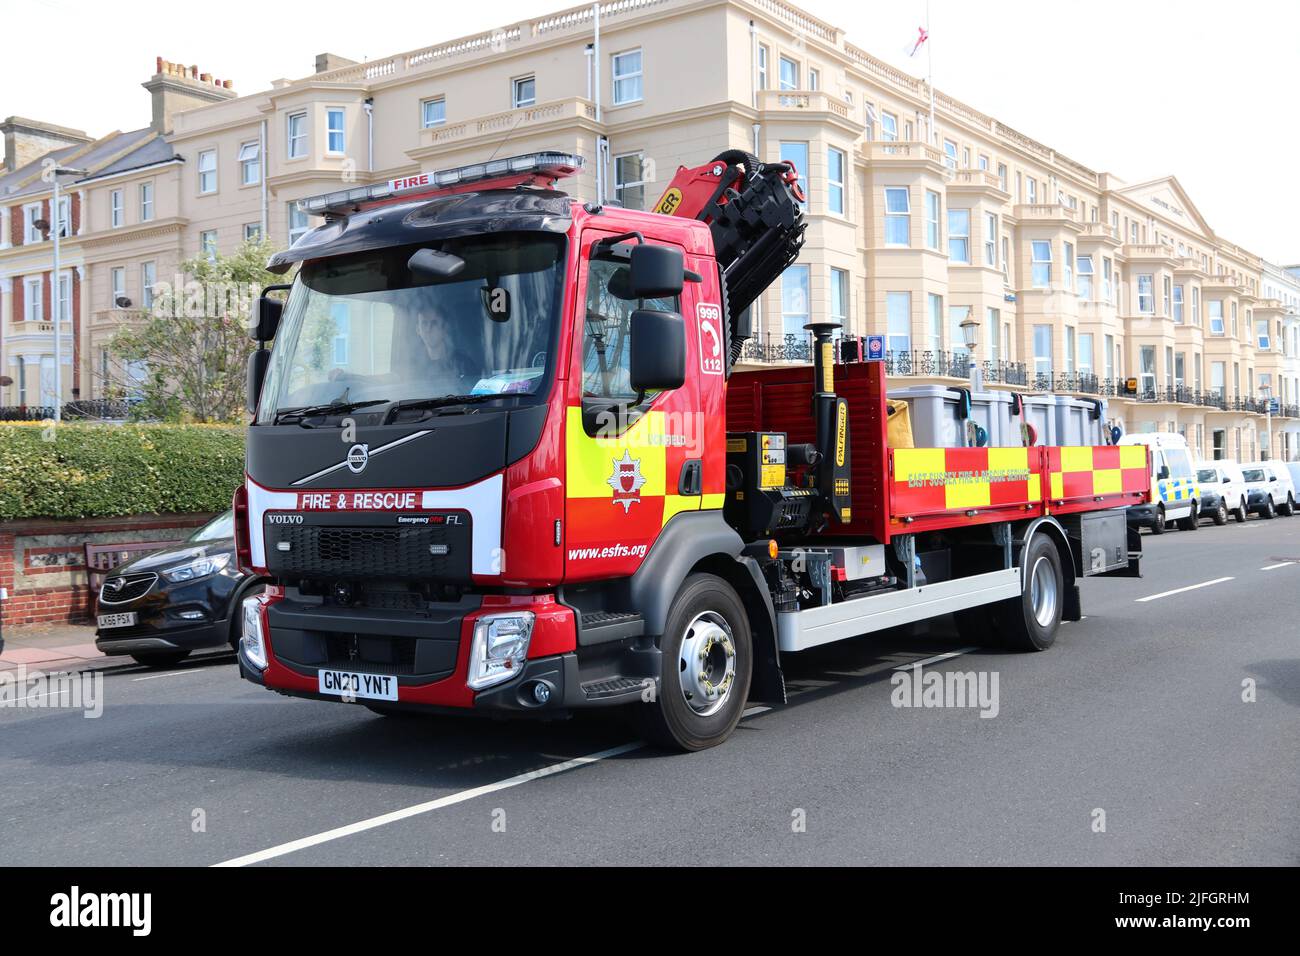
(96, 409)
(817, 100)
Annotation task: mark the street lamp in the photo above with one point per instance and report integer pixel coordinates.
(54, 172)
(970, 332)
(1268, 421)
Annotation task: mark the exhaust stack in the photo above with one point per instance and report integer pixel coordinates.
(832, 417)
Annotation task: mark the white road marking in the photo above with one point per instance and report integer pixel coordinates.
(1190, 587)
(1274, 567)
(383, 819)
(935, 659)
(190, 670)
(447, 801)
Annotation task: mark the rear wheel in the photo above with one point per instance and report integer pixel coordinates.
(1030, 622)
(1221, 513)
(1158, 522)
(1193, 520)
(707, 657)
(1241, 513)
(160, 658)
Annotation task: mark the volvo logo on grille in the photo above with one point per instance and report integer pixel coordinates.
(358, 455)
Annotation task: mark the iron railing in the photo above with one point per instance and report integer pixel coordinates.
(98, 409)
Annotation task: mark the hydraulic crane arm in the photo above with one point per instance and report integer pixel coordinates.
(755, 211)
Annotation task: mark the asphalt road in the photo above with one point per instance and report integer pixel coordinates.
(1137, 712)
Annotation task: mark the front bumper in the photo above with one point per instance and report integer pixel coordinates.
(143, 640)
(1141, 516)
(430, 670)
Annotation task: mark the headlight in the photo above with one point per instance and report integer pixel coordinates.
(252, 641)
(198, 568)
(499, 648)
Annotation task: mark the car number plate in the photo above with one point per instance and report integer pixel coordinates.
(352, 684)
(125, 619)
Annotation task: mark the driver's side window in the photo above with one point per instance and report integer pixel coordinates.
(606, 339)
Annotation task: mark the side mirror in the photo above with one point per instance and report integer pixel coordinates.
(266, 319)
(658, 357)
(657, 271)
(1163, 473)
(258, 360)
(1227, 480)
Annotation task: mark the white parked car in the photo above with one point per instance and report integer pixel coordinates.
(1269, 489)
(1224, 476)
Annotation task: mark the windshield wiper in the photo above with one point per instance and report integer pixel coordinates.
(440, 401)
(333, 408)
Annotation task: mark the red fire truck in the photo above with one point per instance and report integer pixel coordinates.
(501, 461)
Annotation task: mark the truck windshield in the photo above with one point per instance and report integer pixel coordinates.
(365, 329)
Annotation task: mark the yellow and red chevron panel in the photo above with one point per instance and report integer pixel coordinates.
(929, 486)
(1080, 477)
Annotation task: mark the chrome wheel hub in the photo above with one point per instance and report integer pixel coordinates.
(707, 665)
(1043, 591)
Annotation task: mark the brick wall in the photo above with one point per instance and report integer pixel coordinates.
(43, 568)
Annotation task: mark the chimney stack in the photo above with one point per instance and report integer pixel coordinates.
(176, 88)
(27, 140)
(331, 61)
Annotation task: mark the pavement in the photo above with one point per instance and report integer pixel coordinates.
(52, 647)
(1160, 730)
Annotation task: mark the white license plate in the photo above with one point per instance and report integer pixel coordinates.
(125, 619)
(352, 684)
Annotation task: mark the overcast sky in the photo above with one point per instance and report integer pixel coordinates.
(1204, 90)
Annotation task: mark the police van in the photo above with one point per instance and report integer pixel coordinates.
(1175, 494)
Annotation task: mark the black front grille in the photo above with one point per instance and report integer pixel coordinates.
(132, 586)
(437, 551)
(373, 655)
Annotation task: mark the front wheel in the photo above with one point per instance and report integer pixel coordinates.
(707, 659)
(1158, 522)
(1288, 509)
(1030, 622)
(1270, 510)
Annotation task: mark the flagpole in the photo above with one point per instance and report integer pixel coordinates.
(929, 68)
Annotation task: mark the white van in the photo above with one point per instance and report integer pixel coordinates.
(1269, 491)
(1224, 476)
(1175, 495)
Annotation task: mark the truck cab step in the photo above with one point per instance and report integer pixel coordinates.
(601, 627)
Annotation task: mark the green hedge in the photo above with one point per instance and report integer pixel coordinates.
(97, 471)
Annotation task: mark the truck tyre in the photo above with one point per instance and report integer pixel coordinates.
(1288, 509)
(1221, 514)
(1193, 521)
(160, 658)
(707, 656)
(1158, 522)
(1241, 513)
(1268, 511)
(1030, 622)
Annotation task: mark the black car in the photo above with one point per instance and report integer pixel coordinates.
(1213, 506)
(163, 605)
